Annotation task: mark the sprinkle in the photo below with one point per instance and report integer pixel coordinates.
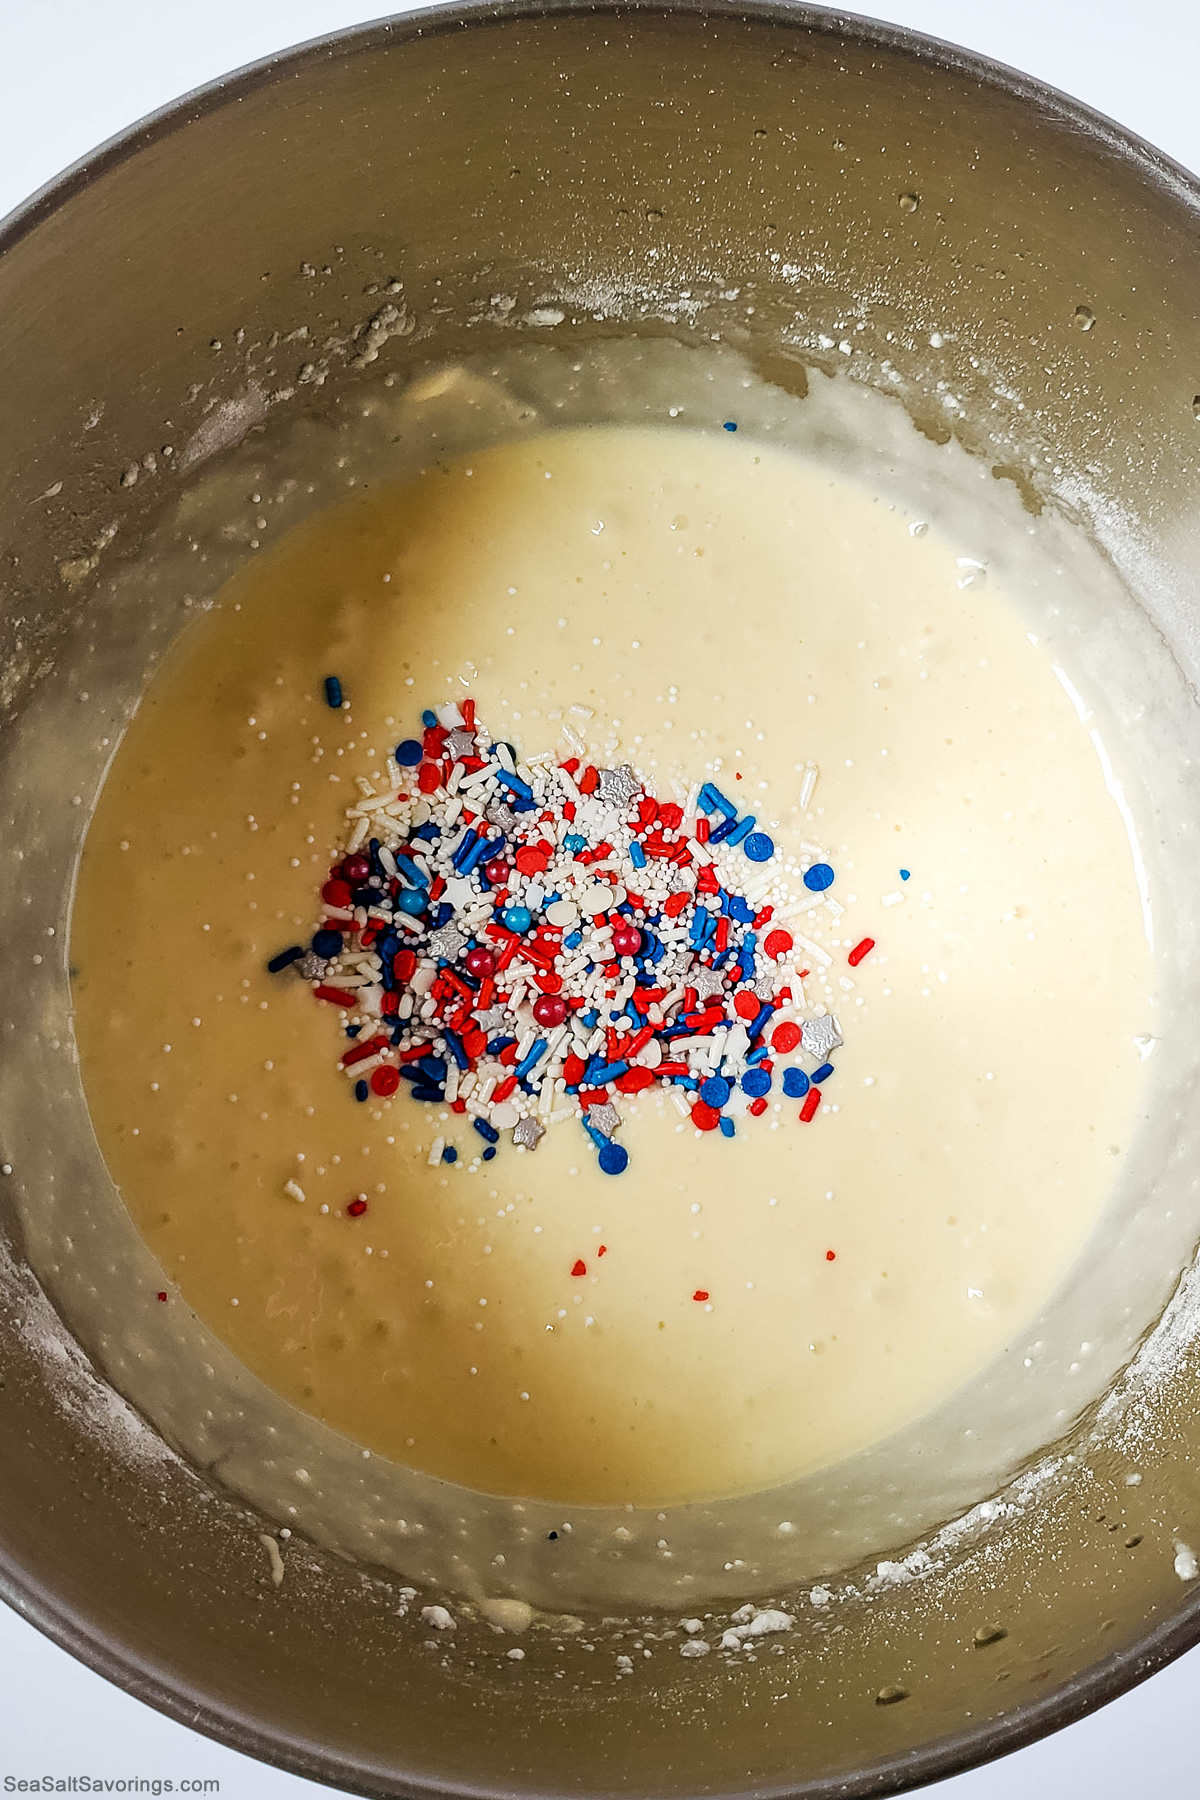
(523, 942)
(831, 1256)
(333, 692)
(906, 874)
(285, 958)
(812, 1102)
(700, 1294)
(795, 1083)
(730, 425)
(819, 1036)
(822, 1074)
(357, 1208)
(715, 1091)
(818, 878)
(861, 949)
(579, 1269)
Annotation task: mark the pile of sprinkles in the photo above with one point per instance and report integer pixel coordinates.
(526, 942)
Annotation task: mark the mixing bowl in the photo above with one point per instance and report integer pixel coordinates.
(827, 196)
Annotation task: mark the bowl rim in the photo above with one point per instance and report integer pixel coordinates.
(1112, 1675)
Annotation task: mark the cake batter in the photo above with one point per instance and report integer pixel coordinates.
(698, 607)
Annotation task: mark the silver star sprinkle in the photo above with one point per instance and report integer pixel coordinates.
(617, 787)
(460, 743)
(706, 982)
(312, 967)
(528, 1132)
(819, 1036)
(447, 941)
(493, 1019)
(501, 815)
(764, 989)
(604, 1117)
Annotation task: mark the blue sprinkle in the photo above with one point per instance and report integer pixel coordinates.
(730, 425)
(408, 753)
(715, 1091)
(726, 1127)
(285, 958)
(637, 855)
(425, 1090)
(455, 1046)
(597, 1136)
(759, 847)
(905, 874)
(412, 900)
(361, 1090)
(427, 832)
(412, 871)
(517, 918)
(823, 1073)
(741, 831)
(725, 829)
(795, 1083)
(573, 842)
(818, 878)
(573, 941)
(433, 1068)
(442, 914)
(429, 719)
(713, 800)
(756, 1083)
(352, 1031)
(497, 1044)
(327, 943)
(606, 1072)
(759, 1024)
(449, 1154)
(613, 1159)
(488, 1153)
(532, 1056)
(486, 1131)
(333, 692)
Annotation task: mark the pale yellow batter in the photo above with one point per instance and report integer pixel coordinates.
(695, 605)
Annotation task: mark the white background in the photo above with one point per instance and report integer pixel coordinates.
(73, 72)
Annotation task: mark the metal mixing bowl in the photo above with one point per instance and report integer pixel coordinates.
(870, 190)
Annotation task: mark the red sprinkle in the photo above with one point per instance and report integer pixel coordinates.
(162, 1293)
(785, 1037)
(357, 1208)
(603, 1250)
(831, 1256)
(811, 1102)
(384, 1080)
(337, 997)
(704, 1117)
(778, 943)
(634, 1080)
(864, 948)
(700, 1294)
(747, 1005)
(579, 1268)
